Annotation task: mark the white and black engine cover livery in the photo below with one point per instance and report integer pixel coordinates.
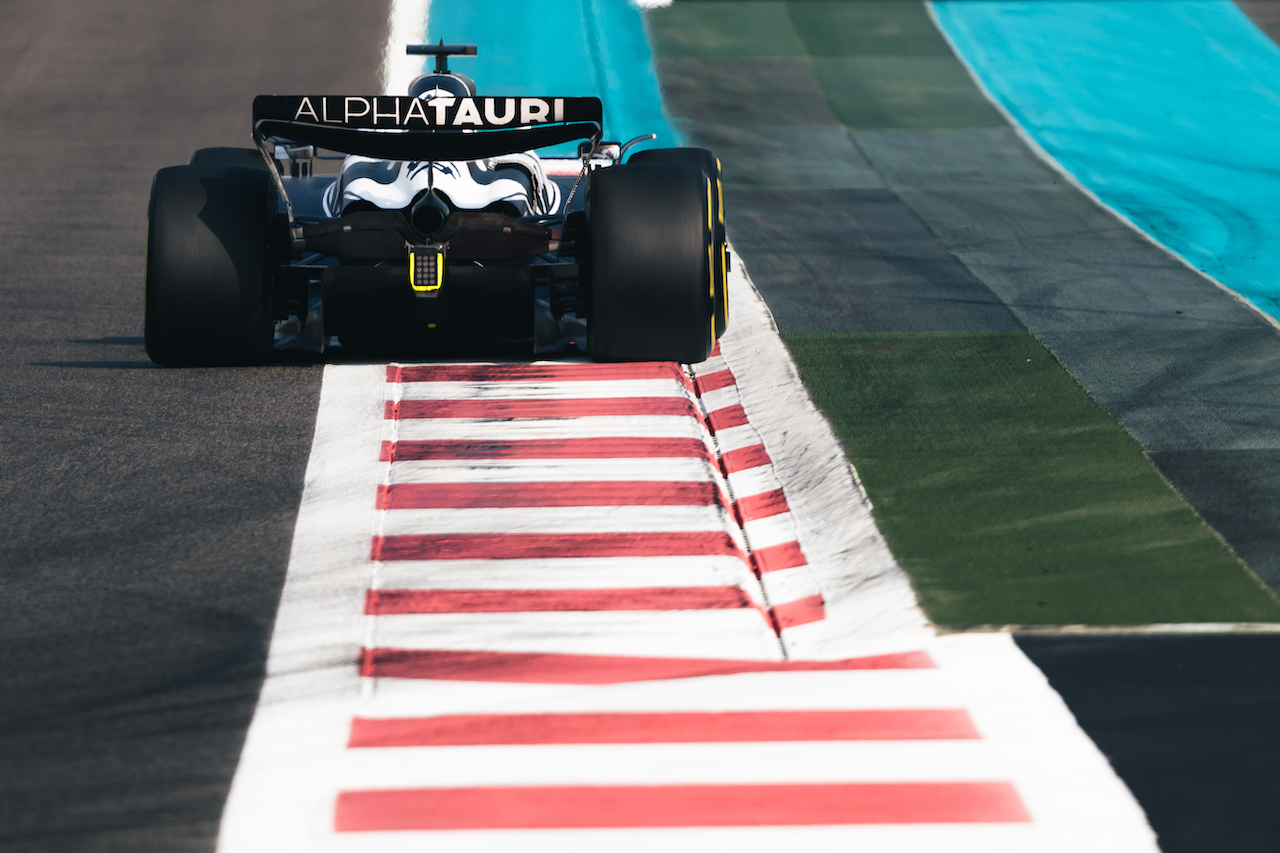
(515, 184)
(442, 232)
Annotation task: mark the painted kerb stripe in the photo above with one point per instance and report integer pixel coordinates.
(548, 448)
(546, 668)
(526, 546)
(692, 727)
(679, 805)
(389, 602)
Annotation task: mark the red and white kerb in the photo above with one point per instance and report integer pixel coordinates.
(548, 607)
(760, 505)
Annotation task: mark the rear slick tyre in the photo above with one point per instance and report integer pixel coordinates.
(208, 284)
(650, 265)
(248, 158)
(707, 162)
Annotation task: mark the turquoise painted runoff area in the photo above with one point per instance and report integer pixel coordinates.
(1168, 110)
(561, 47)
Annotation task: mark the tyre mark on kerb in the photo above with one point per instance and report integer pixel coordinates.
(745, 458)
(552, 668)
(801, 611)
(390, 602)
(622, 447)
(727, 418)
(763, 505)
(533, 494)
(776, 558)
(533, 546)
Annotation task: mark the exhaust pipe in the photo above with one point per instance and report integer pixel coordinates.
(429, 213)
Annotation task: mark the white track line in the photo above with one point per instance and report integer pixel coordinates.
(407, 24)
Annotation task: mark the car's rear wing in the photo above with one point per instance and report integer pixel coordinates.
(396, 127)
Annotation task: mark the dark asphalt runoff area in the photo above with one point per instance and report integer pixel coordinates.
(1189, 723)
(148, 513)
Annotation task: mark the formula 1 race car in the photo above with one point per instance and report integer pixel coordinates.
(443, 233)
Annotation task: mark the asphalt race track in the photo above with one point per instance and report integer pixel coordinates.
(1186, 722)
(148, 512)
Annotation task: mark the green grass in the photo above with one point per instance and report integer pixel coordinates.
(723, 30)
(867, 28)
(902, 93)
(1008, 495)
(881, 65)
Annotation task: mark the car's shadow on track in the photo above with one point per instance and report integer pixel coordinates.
(97, 365)
(113, 340)
(302, 358)
(104, 364)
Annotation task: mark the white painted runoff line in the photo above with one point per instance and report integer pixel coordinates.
(407, 25)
